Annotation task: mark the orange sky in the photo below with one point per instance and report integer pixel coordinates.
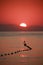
(17, 11)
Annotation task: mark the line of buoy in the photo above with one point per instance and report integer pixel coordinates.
(28, 48)
(5, 54)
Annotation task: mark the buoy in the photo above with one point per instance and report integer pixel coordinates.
(8, 54)
(1, 54)
(15, 52)
(5, 54)
(12, 53)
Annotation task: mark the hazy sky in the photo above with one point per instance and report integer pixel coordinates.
(17, 11)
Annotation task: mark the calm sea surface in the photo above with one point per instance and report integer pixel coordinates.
(13, 41)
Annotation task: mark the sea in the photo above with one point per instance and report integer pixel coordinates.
(12, 46)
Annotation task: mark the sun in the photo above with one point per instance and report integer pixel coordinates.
(23, 25)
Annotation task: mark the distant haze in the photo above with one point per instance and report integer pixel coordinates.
(12, 27)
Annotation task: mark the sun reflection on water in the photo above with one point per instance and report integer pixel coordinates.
(23, 55)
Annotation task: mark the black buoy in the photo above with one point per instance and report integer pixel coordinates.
(8, 54)
(15, 52)
(24, 43)
(18, 51)
(30, 48)
(1, 54)
(12, 53)
(5, 54)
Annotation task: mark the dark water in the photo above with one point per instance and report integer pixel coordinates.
(13, 41)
